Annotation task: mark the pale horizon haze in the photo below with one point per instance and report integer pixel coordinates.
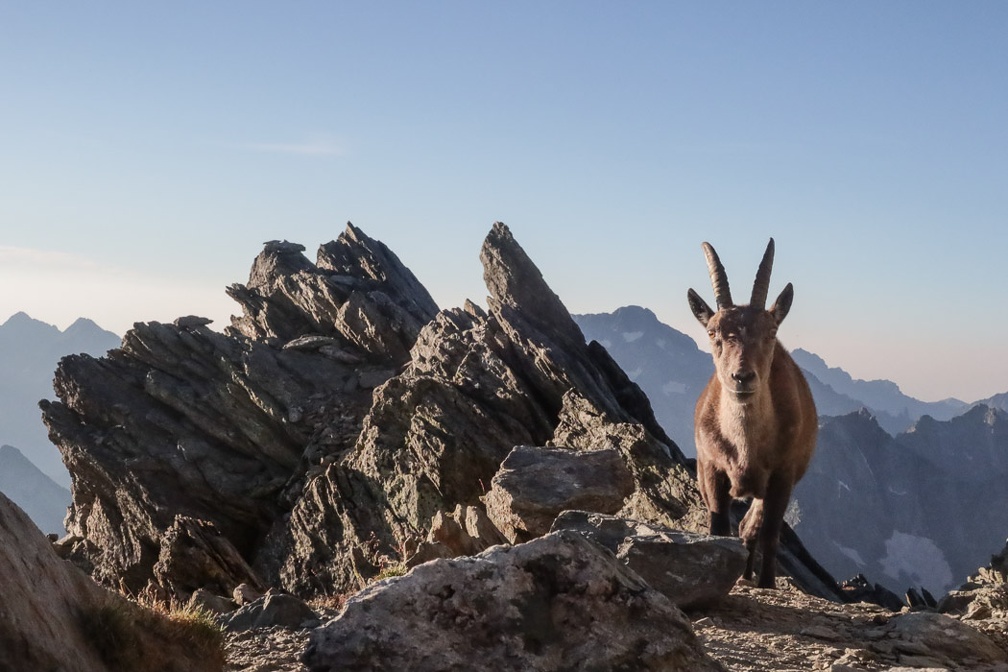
(149, 150)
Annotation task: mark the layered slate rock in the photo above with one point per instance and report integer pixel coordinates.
(225, 429)
(479, 383)
(559, 602)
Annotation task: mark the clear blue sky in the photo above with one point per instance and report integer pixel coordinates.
(147, 150)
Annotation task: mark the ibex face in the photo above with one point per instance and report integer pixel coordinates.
(742, 342)
(743, 338)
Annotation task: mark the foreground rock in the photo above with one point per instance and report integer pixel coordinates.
(692, 570)
(557, 603)
(40, 628)
(53, 617)
(983, 600)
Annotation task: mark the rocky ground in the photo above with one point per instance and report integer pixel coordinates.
(786, 629)
(753, 630)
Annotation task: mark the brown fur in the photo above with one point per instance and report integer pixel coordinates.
(755, 424)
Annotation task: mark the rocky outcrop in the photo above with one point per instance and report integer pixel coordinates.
(478, 383)
(340, 422)
(982, 601)
(182, 420)
(556, 603)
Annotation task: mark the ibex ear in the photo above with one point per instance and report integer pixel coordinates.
(700, 309)
(782, 305)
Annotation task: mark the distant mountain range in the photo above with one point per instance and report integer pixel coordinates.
(907, 492)
(672, 370)
(29, 352)
(895, 411)
(922, 508)
(39, 496)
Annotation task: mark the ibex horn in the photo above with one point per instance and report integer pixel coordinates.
(762, 284)
(719, 279)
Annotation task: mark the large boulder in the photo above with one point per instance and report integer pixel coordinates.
(559, 602)
(692, 570)
(40, 623)
(535, 484)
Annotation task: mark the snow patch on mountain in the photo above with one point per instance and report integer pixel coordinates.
(673, 387)
(917, 559)
(850, 553)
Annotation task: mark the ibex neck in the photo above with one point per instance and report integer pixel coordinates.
(748, 424)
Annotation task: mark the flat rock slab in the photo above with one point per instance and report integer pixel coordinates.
(559, 602)
(692, 570)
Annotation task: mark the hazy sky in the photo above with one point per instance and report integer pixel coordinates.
(147, 150)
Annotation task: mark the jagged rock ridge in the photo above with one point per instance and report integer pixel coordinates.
(319, 438)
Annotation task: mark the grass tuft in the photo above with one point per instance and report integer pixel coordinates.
(137, 638)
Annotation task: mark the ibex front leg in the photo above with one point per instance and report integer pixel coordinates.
(762, 527)
(716, 490)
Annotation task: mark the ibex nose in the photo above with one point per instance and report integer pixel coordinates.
(743, 378)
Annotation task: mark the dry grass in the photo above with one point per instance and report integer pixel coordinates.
(148, 638)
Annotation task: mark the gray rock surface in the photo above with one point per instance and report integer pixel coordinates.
(465, 531)
(556, 603)
(692, 570)
(271, 611)
(925, 638)
(40, 626)
(534, 485)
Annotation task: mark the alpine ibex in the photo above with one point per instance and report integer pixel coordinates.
(755, 421)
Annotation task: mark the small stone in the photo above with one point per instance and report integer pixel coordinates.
(192, 322)
(245, 593)
(821, 632)
(285, 611)
(215, 604)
